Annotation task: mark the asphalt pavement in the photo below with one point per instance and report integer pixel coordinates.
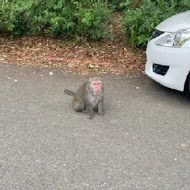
(141, 143)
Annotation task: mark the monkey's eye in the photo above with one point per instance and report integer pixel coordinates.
(96, 83)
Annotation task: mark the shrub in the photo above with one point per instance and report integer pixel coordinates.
(66, 18)
(87, 22)
(120, 5)
(139, 23)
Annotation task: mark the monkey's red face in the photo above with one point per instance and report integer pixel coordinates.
(96, 85)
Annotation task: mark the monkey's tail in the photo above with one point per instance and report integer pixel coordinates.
(68, 92)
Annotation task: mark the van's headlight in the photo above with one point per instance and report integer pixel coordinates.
(176, 39)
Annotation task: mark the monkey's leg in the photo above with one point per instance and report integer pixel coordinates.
(78, 106)
(100, 108)
(90, 111)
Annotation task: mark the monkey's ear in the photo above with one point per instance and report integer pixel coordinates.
(92, 79)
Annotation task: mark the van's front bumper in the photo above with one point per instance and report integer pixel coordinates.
(167, 65)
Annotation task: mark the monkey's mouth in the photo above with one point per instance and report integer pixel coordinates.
(97, 90)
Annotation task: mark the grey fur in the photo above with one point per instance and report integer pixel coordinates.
(87, 100)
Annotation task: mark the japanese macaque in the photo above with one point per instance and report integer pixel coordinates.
(89, 97)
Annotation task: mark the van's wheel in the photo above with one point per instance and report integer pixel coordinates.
(187, 85)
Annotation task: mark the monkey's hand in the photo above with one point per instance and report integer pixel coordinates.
(101, 113)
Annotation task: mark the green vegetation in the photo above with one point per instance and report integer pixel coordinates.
(86, 19)
(119, 5)
(65, 18)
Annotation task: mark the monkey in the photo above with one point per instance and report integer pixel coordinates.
(88, 97)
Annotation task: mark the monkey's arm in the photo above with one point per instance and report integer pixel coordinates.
(100, 107)
(90, 111)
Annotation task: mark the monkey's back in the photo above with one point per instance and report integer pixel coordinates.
(80, 93)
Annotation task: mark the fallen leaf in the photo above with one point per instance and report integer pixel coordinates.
(91, 66)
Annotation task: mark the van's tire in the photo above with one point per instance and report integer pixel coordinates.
(187, 85)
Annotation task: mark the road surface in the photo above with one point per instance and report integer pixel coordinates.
(141, 143)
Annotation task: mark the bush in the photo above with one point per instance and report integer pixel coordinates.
(66, 18)
(139, 23)
(120, 5)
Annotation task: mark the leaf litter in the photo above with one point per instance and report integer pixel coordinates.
(106, 56)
